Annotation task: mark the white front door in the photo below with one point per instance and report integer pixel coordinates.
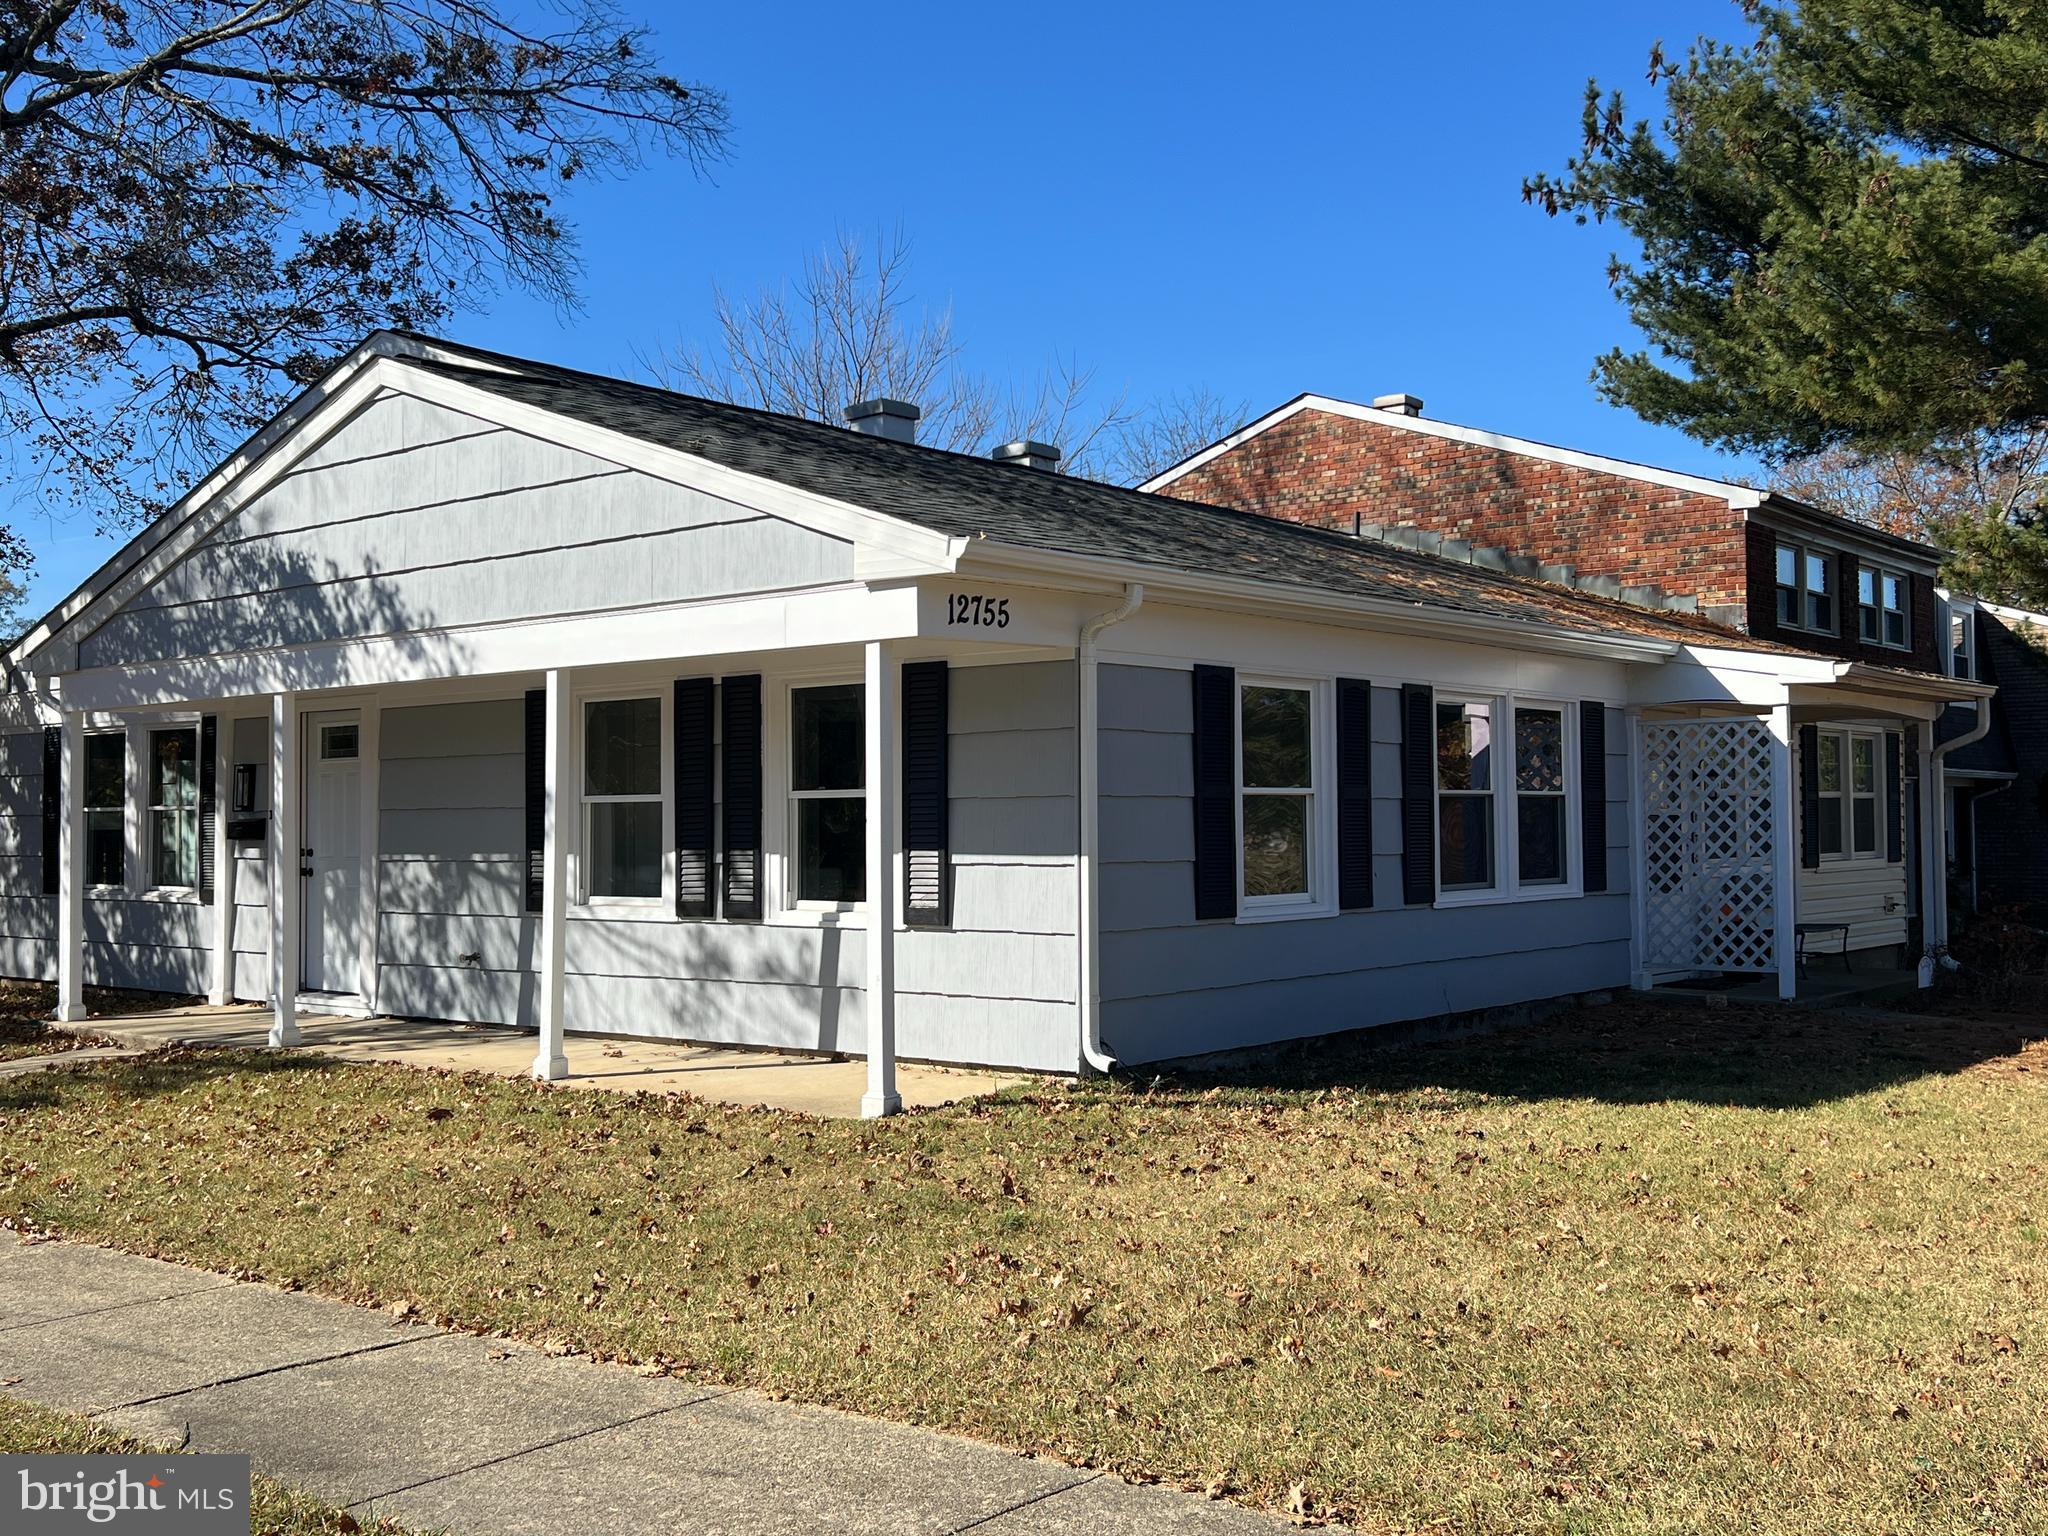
(331, 853)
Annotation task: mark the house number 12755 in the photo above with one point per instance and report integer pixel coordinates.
(973, 608)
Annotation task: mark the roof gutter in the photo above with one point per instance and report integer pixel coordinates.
(1088, 930)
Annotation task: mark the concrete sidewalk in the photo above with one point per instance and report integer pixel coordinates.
(445, 1431)
(816, 1085)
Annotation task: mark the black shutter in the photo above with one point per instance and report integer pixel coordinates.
(1809, 796)
(740, 732)
(1895, 798)
(1849, 615)
(209, 799)
(1418, 793)
(926, 901)
(1593, 793)
(1354, 793)
(53, 804)
(536, 795)
(1215, 792)
(696, 790)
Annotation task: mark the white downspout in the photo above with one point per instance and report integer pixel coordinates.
(1936, 844)
(1088, 927)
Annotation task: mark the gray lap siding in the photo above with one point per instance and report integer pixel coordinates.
(1173, 986)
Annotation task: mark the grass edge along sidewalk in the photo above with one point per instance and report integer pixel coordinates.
(1642, 1269)
(276, 1509)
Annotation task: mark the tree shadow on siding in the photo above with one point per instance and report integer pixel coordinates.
(1638, 1053)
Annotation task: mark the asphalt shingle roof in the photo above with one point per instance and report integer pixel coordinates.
(959, 494)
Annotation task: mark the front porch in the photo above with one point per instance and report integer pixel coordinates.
(829, 1087)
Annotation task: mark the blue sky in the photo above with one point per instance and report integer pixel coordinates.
(1257, 199)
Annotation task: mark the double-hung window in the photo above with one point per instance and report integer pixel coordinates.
(1805, 589)
(106, 808)
(174, 807)
(1962, 642)
(1464, 794)
(828, 795)
(622, 800)
(1504, 824)
(1276, 794)
(1540, 824)
(1881, 607)
(1851, 788)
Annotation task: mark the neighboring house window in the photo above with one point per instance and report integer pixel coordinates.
(1851, 790)
(1540, 832)
(1881, 607)
(827, 787)
(1805, 589)
(622, 801)
(1276, 793)
(1464, 794)
(1962, 642)
(106, 809)
(174, 807)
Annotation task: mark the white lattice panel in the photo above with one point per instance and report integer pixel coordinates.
(1710, 889)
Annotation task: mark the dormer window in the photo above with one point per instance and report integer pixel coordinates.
(1881, 607)
(1805, 589)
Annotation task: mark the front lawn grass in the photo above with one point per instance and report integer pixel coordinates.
(275, 1509)
(1647, 1269)
(25, 1006)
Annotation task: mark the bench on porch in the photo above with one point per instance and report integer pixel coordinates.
(1804, 931)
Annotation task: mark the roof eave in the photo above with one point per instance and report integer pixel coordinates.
(995, 559)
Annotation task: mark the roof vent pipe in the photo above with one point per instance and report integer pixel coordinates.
(1030, 454)
(893, 419)
(1400, 405)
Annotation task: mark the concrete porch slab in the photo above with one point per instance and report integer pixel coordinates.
(811, 1084)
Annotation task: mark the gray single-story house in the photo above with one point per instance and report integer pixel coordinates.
(474, 688)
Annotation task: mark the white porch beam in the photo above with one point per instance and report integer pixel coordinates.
(70, 856)
(1933, 855)
(883, 885)
(1784, 853)
(222, 992)
(551, 1060)
(284, 869)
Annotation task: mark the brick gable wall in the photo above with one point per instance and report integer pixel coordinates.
(1324, 469)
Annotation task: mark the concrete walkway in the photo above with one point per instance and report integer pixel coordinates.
(813, 1084)
(444, 1431)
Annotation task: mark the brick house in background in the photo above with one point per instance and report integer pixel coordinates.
(1998, 846)
(1749, 557)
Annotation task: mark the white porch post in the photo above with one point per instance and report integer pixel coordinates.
(70, 856)
(883, 885)
(551, 1060)
(1933, 849)
(1784, 852)
(284, 868)
(223, 990)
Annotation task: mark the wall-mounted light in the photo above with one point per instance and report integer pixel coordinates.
(247, 778)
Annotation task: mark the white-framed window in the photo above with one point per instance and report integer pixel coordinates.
(624, 840)
(1506, 774)
(1881, 608)
(1465, 814)
(1805, 588)
(828, 814)
(1542, 825)
(1850, 769)
(106, 808)
(1280, 860)
(173, 783)
(1962, 642)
